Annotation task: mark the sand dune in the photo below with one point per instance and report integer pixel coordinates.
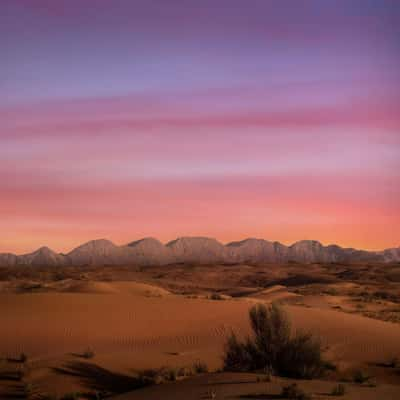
(136, 318)
(34, 323)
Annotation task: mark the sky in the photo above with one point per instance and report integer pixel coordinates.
(224, 118)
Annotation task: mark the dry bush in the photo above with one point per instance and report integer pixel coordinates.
(200, 367)
(272, 347)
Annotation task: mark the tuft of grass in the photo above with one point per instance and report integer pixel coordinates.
(88, 353)
(339, 390)
(294, 392)
(164, 374)
(394, 362)
(200, 367)
(359, 376)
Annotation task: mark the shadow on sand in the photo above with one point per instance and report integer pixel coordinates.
(261, 396)
(101, 379)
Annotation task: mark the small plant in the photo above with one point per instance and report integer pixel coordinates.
(329, 366)
(293, 392)
(28, 389)
(394, 362)
(360, 376)
(151, 376)
(183, 372)
(88, 353)
(200, 367)
(339, 390)
(171, 374)
(23, 358)
(160, 375)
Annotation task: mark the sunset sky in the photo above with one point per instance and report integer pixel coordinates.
(224, 118)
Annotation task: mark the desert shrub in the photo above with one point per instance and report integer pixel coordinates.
(200, 367)
(338, 390)
(160, 375)
(331, 292)
(184, 371)
(381, 294)
(271, 329)
(329, 365)
(171, 374)
(301, 357)
(236, 356)
(150, 376)
(273, 348)
(216, 296)
(360, 376)
(293, 392)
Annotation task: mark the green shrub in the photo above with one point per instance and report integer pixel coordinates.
(338, 390)
(273, 348)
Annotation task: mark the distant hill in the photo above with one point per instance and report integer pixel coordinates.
(198, 250)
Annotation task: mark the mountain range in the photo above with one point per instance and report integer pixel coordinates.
(197, 250)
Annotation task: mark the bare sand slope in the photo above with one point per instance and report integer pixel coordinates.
(52, 324)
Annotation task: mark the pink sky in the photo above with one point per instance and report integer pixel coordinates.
(130, 120)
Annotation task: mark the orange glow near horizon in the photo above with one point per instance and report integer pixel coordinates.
(261, 208)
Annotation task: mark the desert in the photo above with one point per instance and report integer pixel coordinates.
(199, 200)
(96, 331)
